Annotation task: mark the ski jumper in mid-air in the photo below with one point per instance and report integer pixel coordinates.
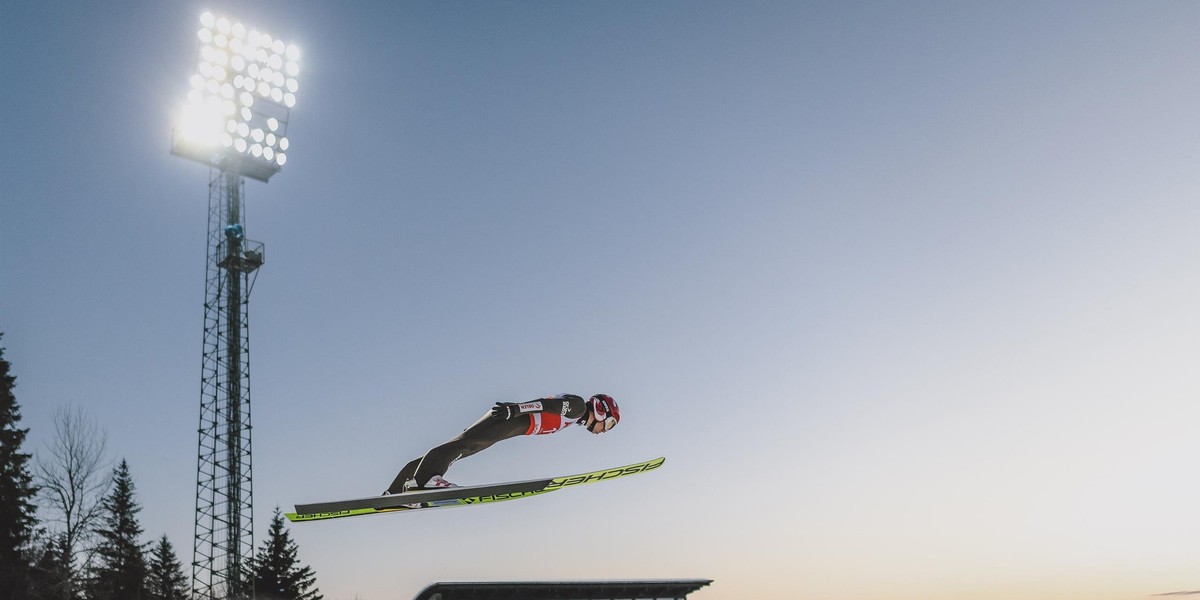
(507, 420)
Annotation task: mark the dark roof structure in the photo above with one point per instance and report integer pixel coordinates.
(654, 589)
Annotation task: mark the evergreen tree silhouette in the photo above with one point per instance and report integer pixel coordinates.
(165, 579)
(17, 518)
(120, 571)
(278, 574)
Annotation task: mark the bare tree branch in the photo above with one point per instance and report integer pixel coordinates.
(73, 477)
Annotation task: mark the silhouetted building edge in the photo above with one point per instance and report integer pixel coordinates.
(656, 589)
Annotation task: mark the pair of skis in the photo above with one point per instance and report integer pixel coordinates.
(460, 496)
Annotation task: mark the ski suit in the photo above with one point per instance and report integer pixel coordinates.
(544, 416)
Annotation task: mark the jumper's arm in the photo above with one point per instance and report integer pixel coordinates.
(567, 405)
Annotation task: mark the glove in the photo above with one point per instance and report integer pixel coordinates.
(504, 411)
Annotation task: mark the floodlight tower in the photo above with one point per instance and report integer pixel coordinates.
(235, 121)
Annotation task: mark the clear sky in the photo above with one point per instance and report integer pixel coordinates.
(906, 292)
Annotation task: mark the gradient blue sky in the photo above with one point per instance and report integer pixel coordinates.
(905, 292)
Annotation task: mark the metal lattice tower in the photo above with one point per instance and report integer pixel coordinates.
(224, 492)
(235, 121)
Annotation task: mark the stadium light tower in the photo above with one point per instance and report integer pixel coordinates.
(235, 121)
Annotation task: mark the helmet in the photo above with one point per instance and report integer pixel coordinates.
(603, 413)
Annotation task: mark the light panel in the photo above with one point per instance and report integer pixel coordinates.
(243, 87)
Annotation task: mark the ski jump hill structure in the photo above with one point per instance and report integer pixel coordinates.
(655, 589)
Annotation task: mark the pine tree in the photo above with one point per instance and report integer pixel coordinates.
(49, 576)
(277, 572)
(165, 579)
(120, 571)
(16, 491)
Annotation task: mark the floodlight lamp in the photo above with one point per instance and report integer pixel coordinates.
(199, 124)
(240, 96)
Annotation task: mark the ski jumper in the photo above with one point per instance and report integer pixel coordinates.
(545, 416)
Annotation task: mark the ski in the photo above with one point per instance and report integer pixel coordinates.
(460, 496)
